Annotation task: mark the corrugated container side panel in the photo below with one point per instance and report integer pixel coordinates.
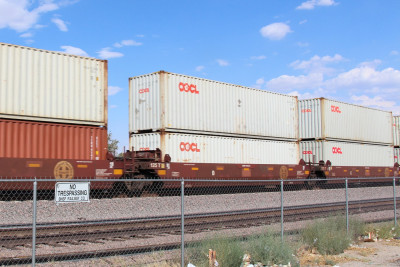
(352, 122)
(329, 119)
(26, 139)
(50, 86)
(396, 131)
(310, 119)
(195, 104)
(218, 149)
(397, 155)
(144, 105)
(347, 154)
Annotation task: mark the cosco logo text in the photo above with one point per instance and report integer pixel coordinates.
(307, 152)
(306, 110)
(189, 147)
(145, 90)
(335, 109)
(336, 150)
(189, 88)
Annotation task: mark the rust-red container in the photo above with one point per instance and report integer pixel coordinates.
(30, 139)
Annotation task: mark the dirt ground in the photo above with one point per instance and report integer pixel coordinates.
(380, 253)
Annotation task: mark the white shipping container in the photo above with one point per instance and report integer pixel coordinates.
(333, 120)
(179, 103)
(396, 131)
(50, 86)
(217, 149)
(347, 154)
(397, 155)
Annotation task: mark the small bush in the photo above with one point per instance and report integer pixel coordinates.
(229, 252)
(384, 230)
(269, 249)
(329, 236)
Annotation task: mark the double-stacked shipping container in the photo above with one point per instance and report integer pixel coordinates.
(345, 134)
(396, 138)
(52, 105)
(198, 120)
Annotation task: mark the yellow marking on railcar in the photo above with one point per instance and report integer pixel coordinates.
(82, 166)
(34, 165)
(161, 172)
(118, 171)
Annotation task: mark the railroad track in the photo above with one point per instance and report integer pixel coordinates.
(13, 236)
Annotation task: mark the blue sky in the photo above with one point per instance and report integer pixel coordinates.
(347, 50)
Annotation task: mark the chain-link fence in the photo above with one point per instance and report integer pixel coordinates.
(125, 222)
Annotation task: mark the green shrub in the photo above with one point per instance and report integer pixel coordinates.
(384, 230)
(329, 236)
(269, 249)
(229, 251)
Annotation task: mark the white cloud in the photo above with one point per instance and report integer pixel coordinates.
(311, 4)
(260, 81)
(302, 44)
(364, 84)
(113, 90)
(287, 83)
(74, 51)
(60, 24)
(317, 64)
(367, 78)
(127, 43)
(376, 101)
(19, 16)
(261, 57)
(26, 35)
(394, 53)
(222, 62)
(113, 106)
(106, 53)
(275, 31)
(303, 21)
(199, 68)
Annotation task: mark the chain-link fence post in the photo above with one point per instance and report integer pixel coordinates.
(347, 205)
(394, 201)
(282, 211)
(183, 222)
(34, 223)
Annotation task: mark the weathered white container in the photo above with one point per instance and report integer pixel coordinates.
(347, 154)
(50, 86)
(396, 131)
(217, 149)
(173, 102)
(333, 120)
(397, 155)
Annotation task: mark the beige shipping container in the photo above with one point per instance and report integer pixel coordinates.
(42, 85)
(396, 131)
(163, 101)
(347, 154)
(333, 120)
(397, 155)
(217, 149)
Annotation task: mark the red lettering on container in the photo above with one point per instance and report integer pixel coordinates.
(144, 148)
(307, 152)
(189, 147)
(336, 150)
(189, 88)
(306, 110)
(145, 90)
(335, 109)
